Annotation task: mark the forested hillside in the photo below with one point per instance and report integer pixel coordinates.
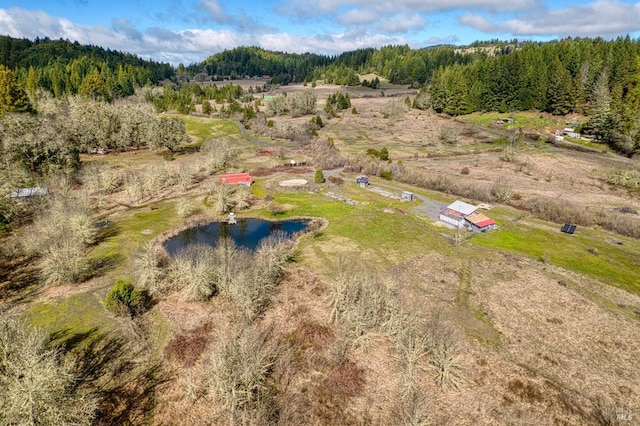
(65, 68)
(253, 61)
(592, 77)
(597, 78)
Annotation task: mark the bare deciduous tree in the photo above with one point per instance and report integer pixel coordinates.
(219, 155)
(150, 263)
(36, 386)
(195, 271)
(59, 236)
(239, 365)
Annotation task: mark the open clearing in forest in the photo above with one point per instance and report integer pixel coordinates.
(546, 325)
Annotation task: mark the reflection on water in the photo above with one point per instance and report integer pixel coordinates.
(246, 233)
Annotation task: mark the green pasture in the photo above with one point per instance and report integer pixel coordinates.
(526, 119)
(592, 252)
(201, 129)
(79, 316)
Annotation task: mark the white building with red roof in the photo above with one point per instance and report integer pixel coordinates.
(460, 215)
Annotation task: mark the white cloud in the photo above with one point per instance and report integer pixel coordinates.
(214, 10)
(124, 26)
(185, 46)
(325, 44)
(216, 13)
(311, 8)
(479, 23)
(601, 18)
(358, 17)
(402, 23)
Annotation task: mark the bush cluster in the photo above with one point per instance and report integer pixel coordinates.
(125, 299)
(248, 279)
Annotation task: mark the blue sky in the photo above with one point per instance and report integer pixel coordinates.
(188, 31)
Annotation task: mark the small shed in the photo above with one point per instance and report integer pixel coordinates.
(243, 179)
(406, 196)
(26, 193)
(571, 132)
(362, 181)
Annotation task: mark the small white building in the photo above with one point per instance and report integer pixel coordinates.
(456, 212)
(25, 193)
(406, 196)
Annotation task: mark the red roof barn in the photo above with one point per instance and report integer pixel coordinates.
(243, 179)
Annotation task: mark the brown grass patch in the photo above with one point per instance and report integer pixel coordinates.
(185, 349)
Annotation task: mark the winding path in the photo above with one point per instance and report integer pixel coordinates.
(251, 138)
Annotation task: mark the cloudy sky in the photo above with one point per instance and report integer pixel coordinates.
(188, 31)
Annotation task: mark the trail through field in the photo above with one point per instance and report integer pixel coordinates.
(251, 138)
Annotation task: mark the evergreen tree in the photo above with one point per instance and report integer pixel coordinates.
(384, 154)
(206, 107)
(94, 86)
(560, 90)
(318, 177)
(13, 98)
(602, 123)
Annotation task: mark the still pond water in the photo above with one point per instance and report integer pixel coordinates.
(246, 233)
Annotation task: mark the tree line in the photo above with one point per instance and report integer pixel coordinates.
(594, 77)
(400, 64)
(65, 68)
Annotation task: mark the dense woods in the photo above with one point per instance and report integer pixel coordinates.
(65, 68)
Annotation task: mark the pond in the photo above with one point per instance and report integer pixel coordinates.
(246, 233)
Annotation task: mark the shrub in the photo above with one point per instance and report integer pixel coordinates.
(336, 180)
(465, 171)
(185, 208)
(386, 174)
(124, 299)
(251, 286)
(559, 211)
(150, 263)
(195, 271)
(319, 176)
(275, 208)
(187, 348)
(63, 262)
(360, 302)
(501, 190)
(626, 177)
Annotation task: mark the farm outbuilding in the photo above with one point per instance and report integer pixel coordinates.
(463, 215)
(362, 181)
(456, 212)
(479, 222)
(406, 196)
(243, 179)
